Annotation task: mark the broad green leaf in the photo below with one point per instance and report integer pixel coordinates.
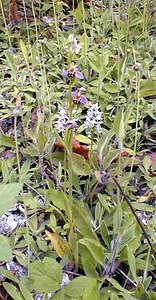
(83, 222)
(152, 295)
(83, 139)
(143, 207)
(110, 157)
(84, 40)
(11, 62)
(5, 249)
(8, 193)
(131, 262)
(59, 296)
(94, 66)
(77, 286)
(25, 292)
(6, 141)
(127, 297)
(118, 127)
(46, 276)
(79, 165)
(147, 88)
(95, 248)
(114, 296)
(111, 87)
(91, 293)
(78, 13)
(30, 150)
(140, 290)
(25, 168)
(89, 265)
(58, 198)
(146, 162)
(141, 264)
(12, 291)
(117, 285)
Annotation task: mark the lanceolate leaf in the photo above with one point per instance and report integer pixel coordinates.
(131, 262)
(5, 250)
(25, 53)
(83, 222)
(12, 291)
(117, 285)
(25, 292)
(95, 248)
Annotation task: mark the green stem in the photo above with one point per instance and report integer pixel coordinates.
(5, 23)
(70, 132)
(90, 165)
(16, 144)
(137, 119)
(144, 25)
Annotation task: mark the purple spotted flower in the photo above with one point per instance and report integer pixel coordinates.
(78, 97)
(73, 72)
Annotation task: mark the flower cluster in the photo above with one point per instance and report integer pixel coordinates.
(64, 122)
(94, 118)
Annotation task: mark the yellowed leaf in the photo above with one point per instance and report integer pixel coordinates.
(60, 245)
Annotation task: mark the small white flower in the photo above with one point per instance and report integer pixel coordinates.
(64, 121)
(94, 118)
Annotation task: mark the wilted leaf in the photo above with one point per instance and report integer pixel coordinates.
(60, 245)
